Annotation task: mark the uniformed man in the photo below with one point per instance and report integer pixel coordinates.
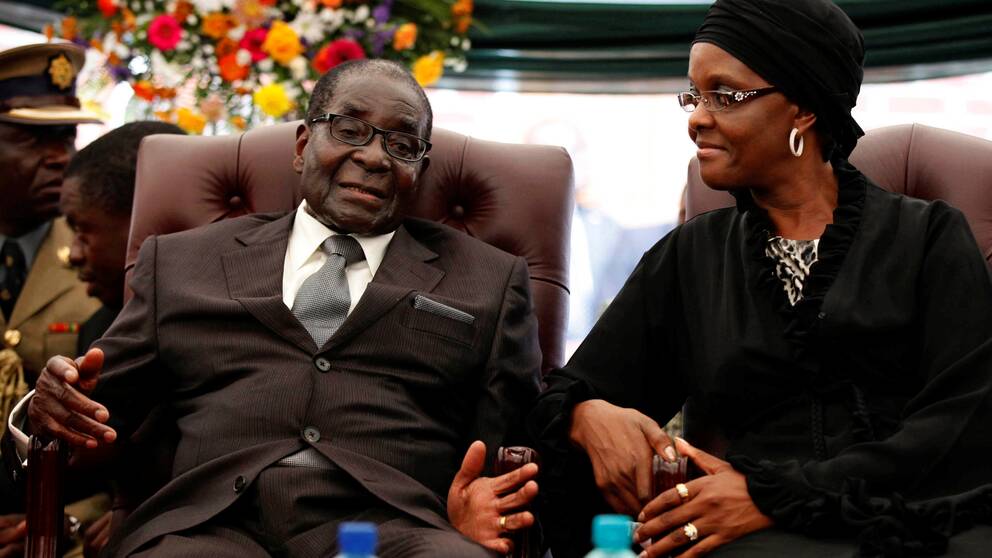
(42, 303)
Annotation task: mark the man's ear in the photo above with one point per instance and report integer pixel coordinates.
(302, 138)
(424, 164)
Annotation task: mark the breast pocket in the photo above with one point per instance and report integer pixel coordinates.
(441, 318)
(60, 343)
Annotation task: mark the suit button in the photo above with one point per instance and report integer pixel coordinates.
(239, 484)
(322, 364)
(311, 434)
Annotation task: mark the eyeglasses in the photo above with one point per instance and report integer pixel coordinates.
(715, 101)
(354, 131)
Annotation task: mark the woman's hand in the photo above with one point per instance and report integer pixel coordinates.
(718, 505)
(483, 508)
(621, 444)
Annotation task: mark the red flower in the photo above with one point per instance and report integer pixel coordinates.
(230, 70)
(164, 32)
(252, 42)
(335, 53)
(107, 7)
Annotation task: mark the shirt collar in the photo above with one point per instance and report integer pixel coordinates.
(308, 234)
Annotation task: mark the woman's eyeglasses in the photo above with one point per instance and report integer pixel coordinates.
(354, 131)
(715, 101)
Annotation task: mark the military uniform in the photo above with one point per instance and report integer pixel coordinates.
(43, 301)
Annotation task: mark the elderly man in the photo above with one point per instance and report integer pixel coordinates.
(42, 304)
(330, 364)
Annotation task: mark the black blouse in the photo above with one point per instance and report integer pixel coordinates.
(865, 408)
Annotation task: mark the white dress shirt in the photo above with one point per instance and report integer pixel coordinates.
(303, 259)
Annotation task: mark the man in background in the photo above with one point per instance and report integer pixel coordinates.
(41, 301)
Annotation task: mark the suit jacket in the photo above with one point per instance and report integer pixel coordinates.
(395, 396)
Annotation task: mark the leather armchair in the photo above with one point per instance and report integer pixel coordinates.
(515, 197)
(911, 159)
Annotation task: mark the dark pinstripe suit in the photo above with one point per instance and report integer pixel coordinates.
(396, 395)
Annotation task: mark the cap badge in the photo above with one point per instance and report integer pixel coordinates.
(61, 71)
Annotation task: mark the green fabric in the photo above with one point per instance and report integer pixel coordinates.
(609, 42)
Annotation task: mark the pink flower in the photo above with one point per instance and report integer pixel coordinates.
(335, 53)
(164, 32)
(252, 42)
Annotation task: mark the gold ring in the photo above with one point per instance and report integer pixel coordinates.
(502, 523)
(690, 531)
(683, 491)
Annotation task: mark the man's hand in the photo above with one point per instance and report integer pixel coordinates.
(718, 506)
(621, 444)
(60, 407)
(476, 504)
(13, 530)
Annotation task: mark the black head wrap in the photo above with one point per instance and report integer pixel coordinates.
(809, 49)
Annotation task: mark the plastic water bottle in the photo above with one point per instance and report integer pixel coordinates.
(357, 539)
(611, 537)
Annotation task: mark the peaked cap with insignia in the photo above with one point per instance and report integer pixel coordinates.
(38, 85)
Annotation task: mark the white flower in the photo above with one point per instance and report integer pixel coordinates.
(453, 42)
(332, 19)
(236, 33)
(242, 57)
(298, 68)
(265, 65)
(466, 44)
(182, 45)
(191, 19)
(208, 49)
(198, 63)
(308, 25)
(207, 6)
(169, 74)
(361, 14)
(266, 78)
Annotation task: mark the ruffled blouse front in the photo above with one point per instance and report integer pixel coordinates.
(851, 410)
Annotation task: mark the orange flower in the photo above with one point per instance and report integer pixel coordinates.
(49, 31)
(405, 37)
(69, 28)
(129, 19)
(165, 92)
(225, 47)
(113, 59)
(191, 121)
(165, 116)
(282, 43)
(216, 25)
(96, 45)
(183, 10)
(238, 122)
(461, 8)
(144, 90)
(332, 4)
(230, 70)
(462, 24)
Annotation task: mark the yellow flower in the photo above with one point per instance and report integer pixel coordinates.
(428, 68)
(272, 99)
(405, 37)
(192, 122)
(282, 43)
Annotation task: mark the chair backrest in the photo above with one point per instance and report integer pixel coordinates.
(515, 197)
(911, 159)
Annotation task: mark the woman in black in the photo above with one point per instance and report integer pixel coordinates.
(839, 337)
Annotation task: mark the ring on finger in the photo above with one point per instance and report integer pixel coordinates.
(683, 491)
(502, 523)
(690, 531)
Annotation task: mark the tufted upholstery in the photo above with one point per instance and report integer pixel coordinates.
(515, 197)
(911, 159)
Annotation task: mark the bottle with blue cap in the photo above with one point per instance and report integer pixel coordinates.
(357, 539)
(612, 537)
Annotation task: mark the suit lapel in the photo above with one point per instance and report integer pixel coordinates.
(254, 278)
(48, 277)
(404, 269)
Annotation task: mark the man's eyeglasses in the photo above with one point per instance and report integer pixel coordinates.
(715, 101)
(354, 131)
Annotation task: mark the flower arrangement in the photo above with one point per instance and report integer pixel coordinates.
(196, 62)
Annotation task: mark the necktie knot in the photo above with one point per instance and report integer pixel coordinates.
(344, 246)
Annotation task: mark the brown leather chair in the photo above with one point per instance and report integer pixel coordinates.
(911, 159)
(515, 197)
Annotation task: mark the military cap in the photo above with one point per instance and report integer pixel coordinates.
(38, 85)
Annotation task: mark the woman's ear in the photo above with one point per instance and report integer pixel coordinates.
(302, 138)
(804, 120)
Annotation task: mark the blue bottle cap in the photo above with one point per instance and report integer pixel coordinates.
(612, 532)
(357, 537)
